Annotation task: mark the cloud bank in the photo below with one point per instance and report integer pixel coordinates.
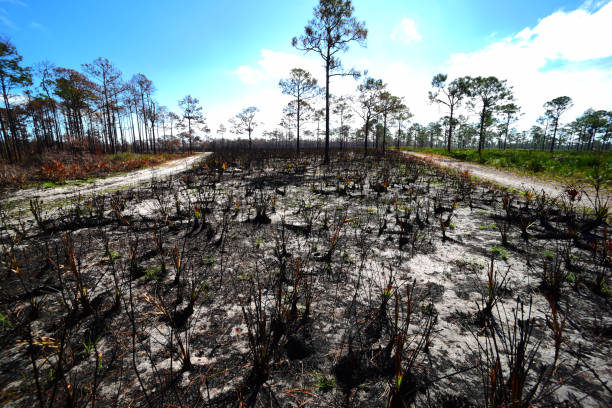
(406, 32)
(566, 53)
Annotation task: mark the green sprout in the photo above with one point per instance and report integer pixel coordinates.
(5, 322)
(90, 343)
(428, 309)
(208, 261)
(153, 273)
(324, 383)
(501, 252)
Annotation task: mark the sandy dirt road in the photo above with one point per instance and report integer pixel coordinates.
(131, 179)
(508, 179)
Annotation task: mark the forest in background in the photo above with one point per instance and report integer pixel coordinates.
(97, 110)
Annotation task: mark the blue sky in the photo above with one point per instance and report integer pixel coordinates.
(231, 54)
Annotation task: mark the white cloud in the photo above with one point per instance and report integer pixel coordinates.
(4, 19)
(4, 15)
(276, 65)
(406, 31)
(593, 5)
(38, 26)
(248, 75)
(413, 85)
(264, 92)
(15, 2)
(556, 57)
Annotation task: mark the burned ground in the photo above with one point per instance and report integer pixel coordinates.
(268, 279)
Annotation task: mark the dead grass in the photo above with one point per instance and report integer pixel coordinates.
(59, 167)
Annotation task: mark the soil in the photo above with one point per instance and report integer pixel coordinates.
(272, 280)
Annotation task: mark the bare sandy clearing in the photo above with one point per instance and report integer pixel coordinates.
(361, 264)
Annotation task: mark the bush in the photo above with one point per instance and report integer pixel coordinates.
(535, 165)
(582, 166)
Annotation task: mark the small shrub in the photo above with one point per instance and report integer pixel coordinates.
(324, 383)
(500, 252)
(153, 273)
(535, 165)
(208, 261)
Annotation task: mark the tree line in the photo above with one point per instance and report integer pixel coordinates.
(93, 110)
(489, 99)
(96, 110)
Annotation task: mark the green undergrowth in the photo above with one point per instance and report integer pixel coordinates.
(127, 156)
(575, 166)
(78, 182)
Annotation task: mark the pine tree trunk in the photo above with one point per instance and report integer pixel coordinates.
(327, 62)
